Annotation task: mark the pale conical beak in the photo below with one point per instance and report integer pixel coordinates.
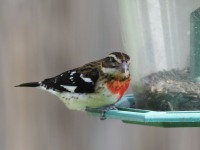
(124, 67)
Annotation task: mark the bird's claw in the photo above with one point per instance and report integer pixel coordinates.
(102, 110)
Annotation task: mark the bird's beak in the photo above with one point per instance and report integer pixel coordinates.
(124, 67)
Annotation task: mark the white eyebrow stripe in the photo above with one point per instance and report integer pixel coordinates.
(117, 59)
(69, 88)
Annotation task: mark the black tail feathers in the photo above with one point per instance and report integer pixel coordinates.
(30, 84)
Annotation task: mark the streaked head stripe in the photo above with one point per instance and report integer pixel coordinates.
(117, 59)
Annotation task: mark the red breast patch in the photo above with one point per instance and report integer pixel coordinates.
(118, 87)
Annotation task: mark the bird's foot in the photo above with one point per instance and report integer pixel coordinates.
(102, 110)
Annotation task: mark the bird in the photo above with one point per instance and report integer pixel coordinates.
(97, 85)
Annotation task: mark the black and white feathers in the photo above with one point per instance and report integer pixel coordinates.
(73, 81)
(69, 81)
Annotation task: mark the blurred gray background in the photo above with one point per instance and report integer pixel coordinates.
(40, 39)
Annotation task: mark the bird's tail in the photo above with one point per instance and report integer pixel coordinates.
(30, 84)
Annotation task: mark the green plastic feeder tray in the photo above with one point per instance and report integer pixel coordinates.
(168, 118)
(153, 118)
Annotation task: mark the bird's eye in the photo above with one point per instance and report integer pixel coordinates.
(112, 62)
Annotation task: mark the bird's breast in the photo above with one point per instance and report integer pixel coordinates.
(118, 87)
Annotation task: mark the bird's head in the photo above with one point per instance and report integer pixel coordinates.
(116, 64)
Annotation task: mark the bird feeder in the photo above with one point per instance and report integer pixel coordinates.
(169, 98)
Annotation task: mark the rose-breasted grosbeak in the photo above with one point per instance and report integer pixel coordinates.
(96, 85)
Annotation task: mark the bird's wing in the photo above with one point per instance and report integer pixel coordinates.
(74, 81)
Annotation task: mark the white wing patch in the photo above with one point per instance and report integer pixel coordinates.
(69, 88)
(86, 79)
(72, 73)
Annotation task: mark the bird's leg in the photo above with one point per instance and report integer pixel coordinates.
(102, 110)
